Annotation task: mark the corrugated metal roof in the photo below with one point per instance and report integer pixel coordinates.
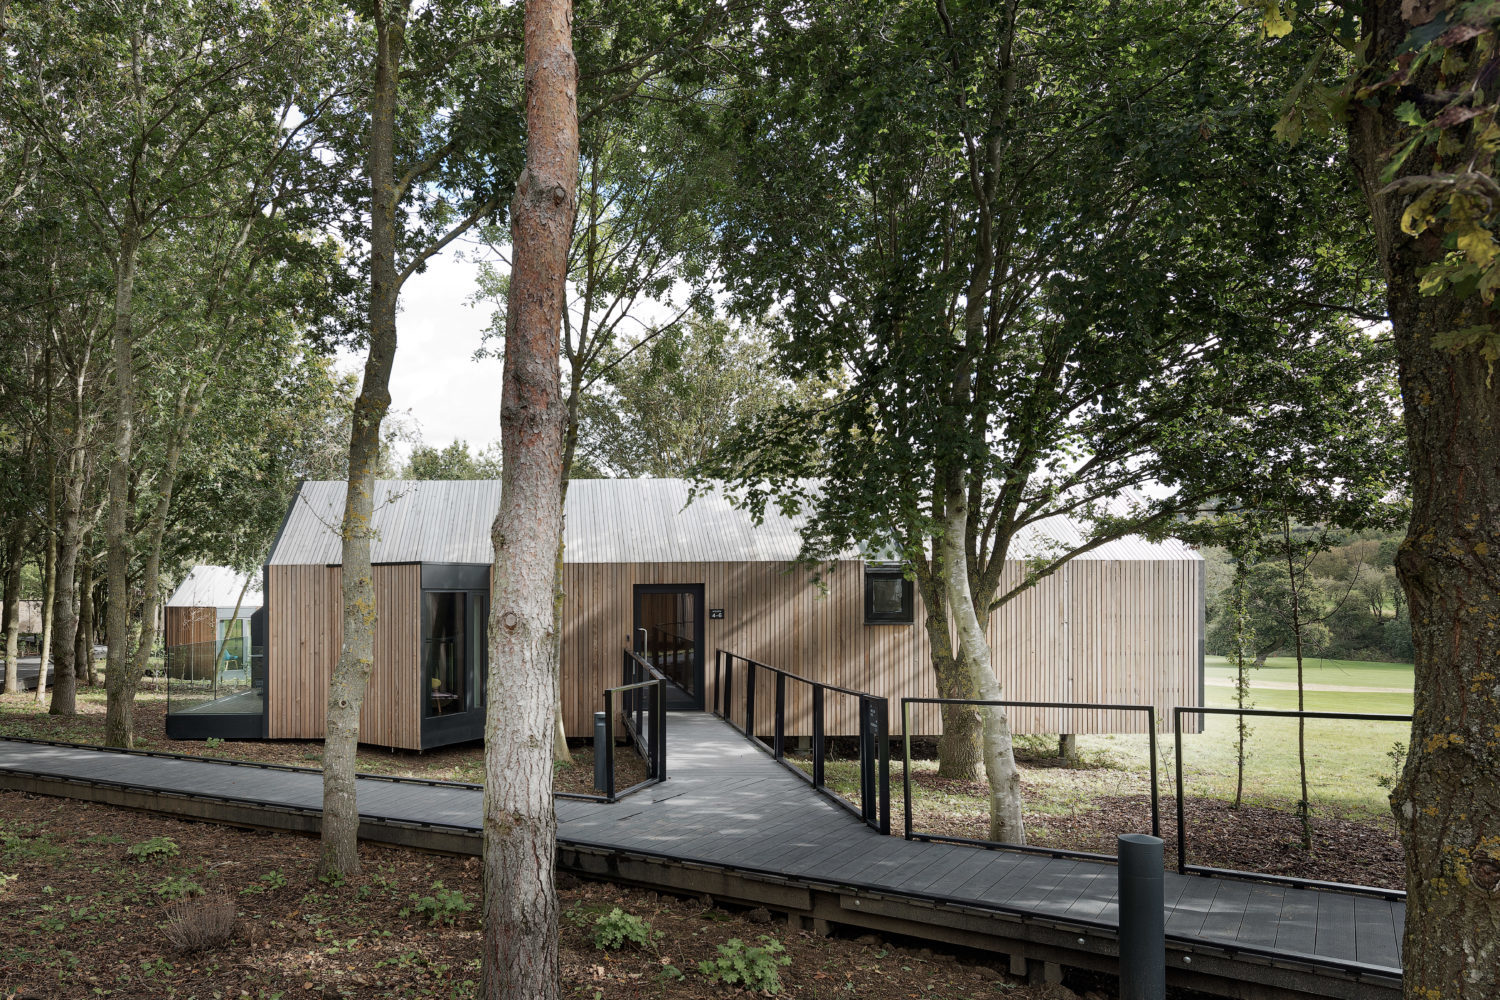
(609, 521)
(216, 587)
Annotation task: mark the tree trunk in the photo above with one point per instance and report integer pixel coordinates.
(1304, 807)
(64, 691)
(1242, 638)
(1004, 779)
(119, 721)
(351, 675)
(15, 554)
(960, 745)
(49, 575)
(83, 644)
(520, 826)
(1447, 803)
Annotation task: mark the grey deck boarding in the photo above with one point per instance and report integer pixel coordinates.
(727, 803)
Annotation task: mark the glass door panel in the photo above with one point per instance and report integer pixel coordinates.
(445, 652)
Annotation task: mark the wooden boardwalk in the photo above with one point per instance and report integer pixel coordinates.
(728, 808)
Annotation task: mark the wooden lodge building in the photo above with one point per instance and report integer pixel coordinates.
(1121, 624)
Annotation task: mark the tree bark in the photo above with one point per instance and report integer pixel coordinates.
(65, 683)
(49, 577)
(119, 719)
(351, 675)
(960, 745)
(83, 645)
(1304, 807)
(15, 554)
(520, 826)
(1447, 803)
(1006, 824)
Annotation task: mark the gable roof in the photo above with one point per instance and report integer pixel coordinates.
(216, 587)
(608, 521)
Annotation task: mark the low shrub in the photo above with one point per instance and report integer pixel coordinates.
(199, 923)
(444, 906)
(615, 929)
(156, 849)
(752, 967)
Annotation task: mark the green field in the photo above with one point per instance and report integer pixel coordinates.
(1346, 760)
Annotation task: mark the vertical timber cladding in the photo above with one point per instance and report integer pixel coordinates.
(304, 631)
(1098, 630)
(193, 628)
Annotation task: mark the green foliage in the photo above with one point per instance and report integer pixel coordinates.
(444, 906)
(751, 967)
(15, 847)
(1396, 756)
(272, 879)
(615, 929)
(177, 887)
(213, 742)
(452, 462)
(157, 849)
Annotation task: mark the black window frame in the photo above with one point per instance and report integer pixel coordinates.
(908, 613)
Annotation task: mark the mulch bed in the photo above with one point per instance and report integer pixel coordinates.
(1251, 838)
(83, 917)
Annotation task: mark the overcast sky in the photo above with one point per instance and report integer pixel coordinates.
(436, 379)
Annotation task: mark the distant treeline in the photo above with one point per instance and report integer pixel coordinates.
(1348, 594)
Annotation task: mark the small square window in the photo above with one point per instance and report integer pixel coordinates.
(889, 598)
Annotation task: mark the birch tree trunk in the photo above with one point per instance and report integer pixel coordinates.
(520, 826)
(118, 715)
(15, 553)
(1006, 823)
(351, 675)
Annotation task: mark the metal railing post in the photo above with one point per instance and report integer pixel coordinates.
(866, 759)
(609, 745)
(883, 751)
(1143, 941)
(1155, 785)
(778, 748)
(818, 748)
(906, 765)
(659, 730)
(1181, 819)
(750, 698)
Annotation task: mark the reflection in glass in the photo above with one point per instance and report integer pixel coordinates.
(444, 651)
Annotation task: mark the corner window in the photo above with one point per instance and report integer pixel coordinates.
(889, 597)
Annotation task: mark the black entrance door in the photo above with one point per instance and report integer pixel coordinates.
(669, 620)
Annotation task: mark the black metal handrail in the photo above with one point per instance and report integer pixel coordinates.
(645, 719)
(1057, 852)
(874, 734)
(1306, 883)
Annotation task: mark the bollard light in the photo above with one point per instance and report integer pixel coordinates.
(601, 734)
(1143, 929)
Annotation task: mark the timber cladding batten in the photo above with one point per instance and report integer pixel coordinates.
(1124, 624)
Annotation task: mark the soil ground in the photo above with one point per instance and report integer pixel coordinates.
(85, 892)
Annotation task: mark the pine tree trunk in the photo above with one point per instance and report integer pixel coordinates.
(65, 683)
(119, 721)
(520, 826)
(83, 645)
(1006, 824)
(49, 585)
(351, 675)
(15, 554)
(1447, 803)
